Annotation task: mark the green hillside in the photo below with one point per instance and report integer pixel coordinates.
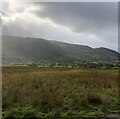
(21, 49)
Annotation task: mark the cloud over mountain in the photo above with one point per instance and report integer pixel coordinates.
(93, 24)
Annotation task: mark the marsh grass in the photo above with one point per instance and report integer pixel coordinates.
(63, 92)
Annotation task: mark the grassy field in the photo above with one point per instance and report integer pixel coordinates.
(59, 92)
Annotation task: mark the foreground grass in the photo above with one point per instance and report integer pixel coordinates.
(59, 92)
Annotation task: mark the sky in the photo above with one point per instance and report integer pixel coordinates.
(86, 23)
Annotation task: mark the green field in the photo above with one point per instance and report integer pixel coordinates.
(59, 92)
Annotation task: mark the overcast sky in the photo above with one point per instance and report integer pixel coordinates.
(85, 23)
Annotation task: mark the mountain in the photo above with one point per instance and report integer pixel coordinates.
(25, 49)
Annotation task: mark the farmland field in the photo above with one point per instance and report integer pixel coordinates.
(59, 92)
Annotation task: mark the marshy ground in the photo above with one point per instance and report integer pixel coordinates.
(59, 92)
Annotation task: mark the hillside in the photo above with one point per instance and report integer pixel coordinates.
(21, 49)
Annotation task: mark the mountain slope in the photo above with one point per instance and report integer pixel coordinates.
(19, 49)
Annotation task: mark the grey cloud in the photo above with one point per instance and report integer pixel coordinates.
(98, 19)
(81, 16)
